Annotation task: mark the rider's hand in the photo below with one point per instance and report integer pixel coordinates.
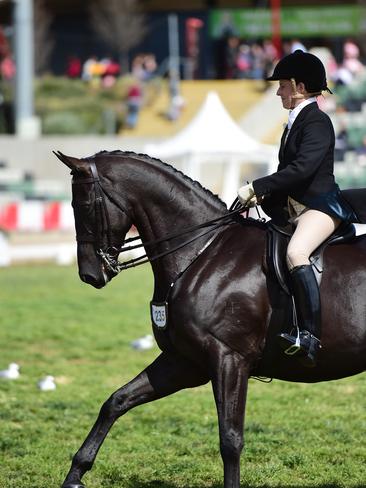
(247, 196)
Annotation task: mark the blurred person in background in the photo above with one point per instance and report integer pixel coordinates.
(7, 67)
(341, 143)
(271, 57)
(110, 72)
(361, 152)
(351, 60)
(177, 104)
(134, 103)
(88, 70)
(244, 61)
(297, 44)
(144, 67)
(231, 57)
(351, 67)
(150, 66)
(258, 64)
(292, 45)
(137, 67)
(73, 67)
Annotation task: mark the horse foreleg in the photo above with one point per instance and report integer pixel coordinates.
(229, 382)
(164, 376)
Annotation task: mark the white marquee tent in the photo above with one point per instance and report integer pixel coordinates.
(213, 135)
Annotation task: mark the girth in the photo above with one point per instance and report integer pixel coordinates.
(277, 241)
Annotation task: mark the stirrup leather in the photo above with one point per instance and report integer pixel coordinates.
(294, 348)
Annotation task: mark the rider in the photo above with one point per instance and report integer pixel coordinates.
(302, 191)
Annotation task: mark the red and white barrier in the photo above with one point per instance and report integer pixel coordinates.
(36, 216)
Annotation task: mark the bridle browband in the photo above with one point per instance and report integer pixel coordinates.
(109, 254)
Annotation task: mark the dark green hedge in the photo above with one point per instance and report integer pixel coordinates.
(68, 106)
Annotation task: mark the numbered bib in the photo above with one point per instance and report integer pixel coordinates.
(159, 314)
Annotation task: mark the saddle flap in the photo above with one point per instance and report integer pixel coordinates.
(278, 239)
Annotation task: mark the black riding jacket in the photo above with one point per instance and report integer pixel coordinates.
(306, 169)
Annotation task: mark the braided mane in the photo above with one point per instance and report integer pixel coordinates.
(151, 160)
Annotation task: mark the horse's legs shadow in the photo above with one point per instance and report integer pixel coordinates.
(138, 483)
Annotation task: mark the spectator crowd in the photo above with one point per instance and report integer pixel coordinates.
(238, 59)
(248, 61)
(255, 60)
(106, 71)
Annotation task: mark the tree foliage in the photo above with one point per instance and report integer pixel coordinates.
(43, 41)
(121, 23)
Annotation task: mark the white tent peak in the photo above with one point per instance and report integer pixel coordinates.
(212, 136)
(211, 131)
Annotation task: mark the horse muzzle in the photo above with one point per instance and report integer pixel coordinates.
(98, 280)
(91, 268)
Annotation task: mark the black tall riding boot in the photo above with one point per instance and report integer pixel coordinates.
(306, 295)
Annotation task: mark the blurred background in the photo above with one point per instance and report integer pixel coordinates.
(185, 84)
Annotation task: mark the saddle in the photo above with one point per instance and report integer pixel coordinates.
(277, 241)
(278, 287)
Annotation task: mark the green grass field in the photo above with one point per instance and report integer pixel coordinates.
(296, 435)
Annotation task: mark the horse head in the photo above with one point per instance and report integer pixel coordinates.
(101, 220)
(113, 190)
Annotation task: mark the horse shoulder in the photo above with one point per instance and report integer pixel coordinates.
(223, 294)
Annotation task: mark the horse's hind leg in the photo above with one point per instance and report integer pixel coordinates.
(229, 382)
(164, 376)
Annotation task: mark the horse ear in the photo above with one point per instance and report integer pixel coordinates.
(75, 164)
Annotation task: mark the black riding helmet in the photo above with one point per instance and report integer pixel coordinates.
(304, 67)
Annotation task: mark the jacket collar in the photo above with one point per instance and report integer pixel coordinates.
(302, 114)
(296, 111)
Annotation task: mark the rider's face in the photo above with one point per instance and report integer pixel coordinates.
(285, 91)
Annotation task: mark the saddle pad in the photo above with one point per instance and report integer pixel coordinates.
(360, 229)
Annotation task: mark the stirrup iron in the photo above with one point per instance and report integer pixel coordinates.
(294, 348)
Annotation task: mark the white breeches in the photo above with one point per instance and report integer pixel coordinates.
(312, 228)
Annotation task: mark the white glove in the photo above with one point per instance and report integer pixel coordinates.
(247, 196)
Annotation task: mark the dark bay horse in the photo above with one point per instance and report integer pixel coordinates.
(216, 288)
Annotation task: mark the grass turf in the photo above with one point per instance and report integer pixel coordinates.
(50, 323)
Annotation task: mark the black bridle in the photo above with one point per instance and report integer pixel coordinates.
(102, 232)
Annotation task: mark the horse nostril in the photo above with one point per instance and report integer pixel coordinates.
(84, 278)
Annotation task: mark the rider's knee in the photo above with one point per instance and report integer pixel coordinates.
(296, 257)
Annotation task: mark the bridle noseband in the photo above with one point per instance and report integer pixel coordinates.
(102, 231)
(102, 228)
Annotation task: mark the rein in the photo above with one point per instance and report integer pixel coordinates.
(117, 266)
(109, 255)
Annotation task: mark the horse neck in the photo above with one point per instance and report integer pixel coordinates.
(165, 202)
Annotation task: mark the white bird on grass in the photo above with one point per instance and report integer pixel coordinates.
(12, 373)
(143, 343)
(47, 383)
